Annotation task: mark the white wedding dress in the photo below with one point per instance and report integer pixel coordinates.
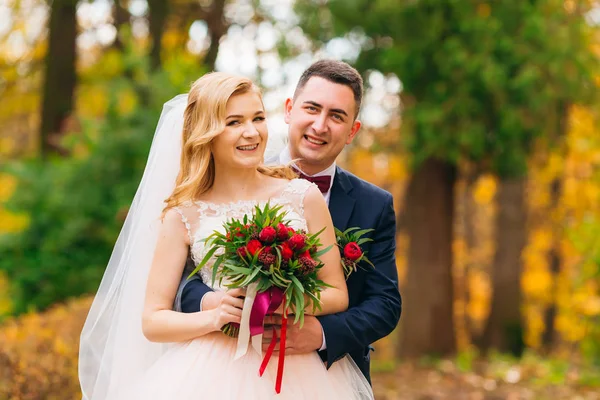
(204, 368)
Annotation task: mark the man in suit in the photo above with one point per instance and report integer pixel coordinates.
(322, 119)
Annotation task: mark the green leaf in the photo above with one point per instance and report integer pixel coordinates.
(238, 269)
(363, 241)
(299, 307)
(362, 232)
(250, 278)
(321, 252)
(216, 269)
(296, 282)
(204, 261)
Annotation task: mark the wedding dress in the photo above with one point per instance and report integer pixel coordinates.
(204, 368)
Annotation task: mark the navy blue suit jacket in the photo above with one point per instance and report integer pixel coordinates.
(375, 302)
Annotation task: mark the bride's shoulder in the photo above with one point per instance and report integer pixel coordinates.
(301, 191)
(177, 219)
(300, 186)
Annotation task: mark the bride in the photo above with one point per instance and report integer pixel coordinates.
(205, 166)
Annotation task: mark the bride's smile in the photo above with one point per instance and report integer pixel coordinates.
(242, 143)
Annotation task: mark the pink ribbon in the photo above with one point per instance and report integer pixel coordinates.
(265, 303)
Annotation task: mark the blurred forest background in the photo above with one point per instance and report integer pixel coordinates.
(481, 117)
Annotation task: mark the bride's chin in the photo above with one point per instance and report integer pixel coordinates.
(248, 165)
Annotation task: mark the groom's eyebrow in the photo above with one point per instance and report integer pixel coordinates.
(334, 110)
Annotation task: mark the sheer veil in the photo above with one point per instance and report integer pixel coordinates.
(113, 350)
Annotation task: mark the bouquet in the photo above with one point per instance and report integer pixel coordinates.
(276, 264)
(349, 242)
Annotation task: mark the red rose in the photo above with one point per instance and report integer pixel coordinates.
(352, 251)
(268, 234)
(282, 232)
(238, 232)
(253, 246)
(297, 242)
(242, 251)
(286, 251)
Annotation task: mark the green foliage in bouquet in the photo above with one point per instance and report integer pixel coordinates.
(266, 250)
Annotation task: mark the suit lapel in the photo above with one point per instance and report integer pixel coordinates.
(341, 203)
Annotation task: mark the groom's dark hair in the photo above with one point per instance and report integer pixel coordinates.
(336, 72)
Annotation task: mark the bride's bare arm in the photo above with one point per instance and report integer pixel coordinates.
(159, 322)
(317, 216)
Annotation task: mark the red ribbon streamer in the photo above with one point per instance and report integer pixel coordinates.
(271, 348)
(269, 353)
(281, 354)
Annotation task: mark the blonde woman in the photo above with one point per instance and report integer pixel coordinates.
(205, 166)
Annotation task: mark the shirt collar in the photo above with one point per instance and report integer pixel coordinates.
(286, 158)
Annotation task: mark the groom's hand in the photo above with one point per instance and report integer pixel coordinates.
(298, 341)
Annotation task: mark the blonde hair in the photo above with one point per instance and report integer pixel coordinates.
(203, 120)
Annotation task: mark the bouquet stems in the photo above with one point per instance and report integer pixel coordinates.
(231, 330)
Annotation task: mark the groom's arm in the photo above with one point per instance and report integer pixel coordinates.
(192, 295)
(191, 292)
(378, 312)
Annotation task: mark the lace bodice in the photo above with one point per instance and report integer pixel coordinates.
(202, 218)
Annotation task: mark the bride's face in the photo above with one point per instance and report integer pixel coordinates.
(242, 143)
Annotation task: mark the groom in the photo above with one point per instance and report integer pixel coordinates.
(322, 119)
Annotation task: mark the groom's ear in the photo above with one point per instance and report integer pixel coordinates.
(289, 103)
(355, 128)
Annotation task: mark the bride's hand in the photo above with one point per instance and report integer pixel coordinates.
(211, 300)
(229, 308)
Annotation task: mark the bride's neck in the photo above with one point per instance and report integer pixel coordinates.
(236, 184)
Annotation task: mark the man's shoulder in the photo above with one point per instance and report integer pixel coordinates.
(365, 188)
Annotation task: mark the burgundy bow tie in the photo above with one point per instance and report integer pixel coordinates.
(323, 182)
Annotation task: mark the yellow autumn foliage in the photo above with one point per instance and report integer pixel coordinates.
(5, 302)
(39, 353)
(575, 294)
(9, 222)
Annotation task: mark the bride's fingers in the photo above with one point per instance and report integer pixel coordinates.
(232, 318)
(236, 318)
(238, 292)
(268, 335)
(273, 320)
(232, 310)
(234, 301)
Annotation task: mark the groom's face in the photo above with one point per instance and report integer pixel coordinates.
(321, 123)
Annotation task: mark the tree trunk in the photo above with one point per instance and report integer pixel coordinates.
(428, 318)
(550, 336)
(121, 17)
(217, 27)
(158, 17)
(60, 75)
(504, 328)
(469, 208)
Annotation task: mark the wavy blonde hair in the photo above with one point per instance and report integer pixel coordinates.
(203, 120)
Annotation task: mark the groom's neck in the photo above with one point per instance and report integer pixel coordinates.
(312, 169)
